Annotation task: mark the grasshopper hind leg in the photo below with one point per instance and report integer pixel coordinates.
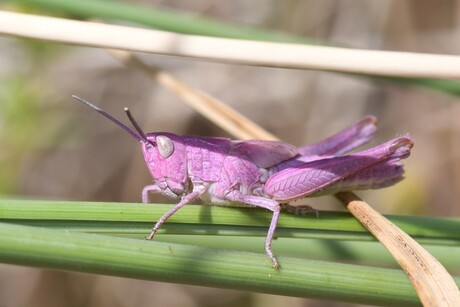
(266, 203)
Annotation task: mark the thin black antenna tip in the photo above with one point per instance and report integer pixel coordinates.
(89, 104)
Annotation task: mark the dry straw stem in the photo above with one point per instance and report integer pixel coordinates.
(380, 63)
(434, 285)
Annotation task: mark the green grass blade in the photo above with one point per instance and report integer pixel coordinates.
(348, 251)
(420, 227)
(342, 237)
(178, 263)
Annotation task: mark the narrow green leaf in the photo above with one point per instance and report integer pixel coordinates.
(178, 263)
(342, 237)
(444, 229)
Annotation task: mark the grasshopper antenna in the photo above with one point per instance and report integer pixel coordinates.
(135, 124)
(140, 137)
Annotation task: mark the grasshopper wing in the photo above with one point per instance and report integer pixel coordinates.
(313, 177)
(344, 141)
(264, 154)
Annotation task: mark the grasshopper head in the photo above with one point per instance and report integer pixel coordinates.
(165, 157)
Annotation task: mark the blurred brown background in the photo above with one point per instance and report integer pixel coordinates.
(52, 148)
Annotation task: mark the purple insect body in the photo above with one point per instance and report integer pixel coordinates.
(266, 174)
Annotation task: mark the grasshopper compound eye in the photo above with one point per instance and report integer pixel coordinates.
(165, 146)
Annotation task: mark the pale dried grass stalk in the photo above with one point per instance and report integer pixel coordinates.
(434, 285)
(382, 63)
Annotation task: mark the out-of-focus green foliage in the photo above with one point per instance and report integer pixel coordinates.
(20, 126)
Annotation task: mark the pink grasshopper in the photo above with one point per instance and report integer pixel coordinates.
(266, 174)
